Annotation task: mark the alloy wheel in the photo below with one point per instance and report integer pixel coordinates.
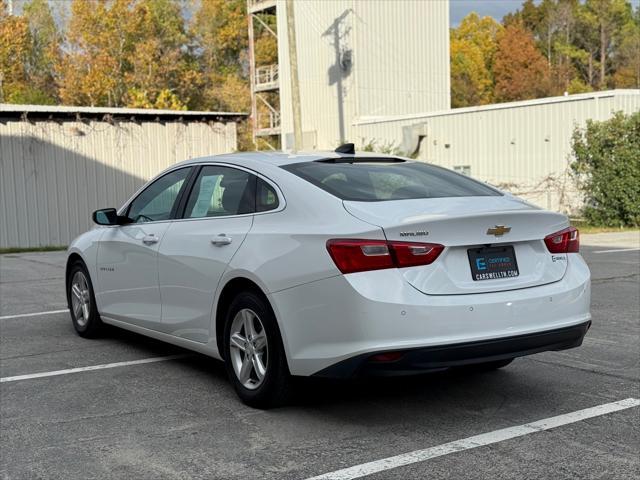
(80, 298)
(248, 348)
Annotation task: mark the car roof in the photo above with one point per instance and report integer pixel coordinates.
(277, 158)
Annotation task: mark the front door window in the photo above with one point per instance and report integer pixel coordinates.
(158, 200)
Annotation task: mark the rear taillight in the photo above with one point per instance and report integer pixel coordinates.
(564, 241)
(355, 255)
(410, 254)
(360, 255)
(386, 357)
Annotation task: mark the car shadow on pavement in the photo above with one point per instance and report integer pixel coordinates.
(320, 391)
(481, 392)
(469, 393)
(147, 345)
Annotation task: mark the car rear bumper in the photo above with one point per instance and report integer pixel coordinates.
(330, 321)
(445, 356)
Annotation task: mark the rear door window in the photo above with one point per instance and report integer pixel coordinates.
(221, 191)
(393, 180)
(266, 197)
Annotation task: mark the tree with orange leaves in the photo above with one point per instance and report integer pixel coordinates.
(29, 47)
(100, 42)
(15, 43)
(520, 70)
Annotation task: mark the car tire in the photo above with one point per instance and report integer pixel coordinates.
(82, 302)
(254, 355)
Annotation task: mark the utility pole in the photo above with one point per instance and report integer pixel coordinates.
(295, 86)
(10, 7)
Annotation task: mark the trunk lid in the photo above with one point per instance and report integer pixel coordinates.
(461, 224)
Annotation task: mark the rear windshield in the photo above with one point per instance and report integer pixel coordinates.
(374, 182)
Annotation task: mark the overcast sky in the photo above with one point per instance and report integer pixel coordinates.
(458, 8)
(494, 8)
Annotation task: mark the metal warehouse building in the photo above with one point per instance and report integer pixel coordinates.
(355, 59)
(370, 72)
(58, 164)
(523, 147)
(377, 73)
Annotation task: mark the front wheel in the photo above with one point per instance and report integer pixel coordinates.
(253, 352)
(82, 302)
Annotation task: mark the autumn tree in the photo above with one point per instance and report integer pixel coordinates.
(132, 53)
(220, 31)
(553, 25)
(29, 47)
(44, 52)
(471, 82)
(520, 70)
(161, 71)
(473, 46)
(15, 42)
(100, 42)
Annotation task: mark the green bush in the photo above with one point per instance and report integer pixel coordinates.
(607, 168)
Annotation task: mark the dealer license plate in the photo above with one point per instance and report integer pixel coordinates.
(491, 263)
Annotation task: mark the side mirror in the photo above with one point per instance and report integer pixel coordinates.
(108, 216)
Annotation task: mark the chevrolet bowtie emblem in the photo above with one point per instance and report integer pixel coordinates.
(498, 230)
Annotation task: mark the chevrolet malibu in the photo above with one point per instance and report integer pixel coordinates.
(330, 265)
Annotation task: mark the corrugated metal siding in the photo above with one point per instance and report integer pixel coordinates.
(400, 55)
(316, 54)
(53, 175)
(524, 148)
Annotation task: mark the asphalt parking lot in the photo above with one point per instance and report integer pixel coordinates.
(179, 418)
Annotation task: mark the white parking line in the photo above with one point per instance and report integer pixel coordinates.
(50, 312)
(618, 250)
(92, 367)
(476, 441)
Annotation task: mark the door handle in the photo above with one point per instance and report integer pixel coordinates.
(149, 239)
(221, 239)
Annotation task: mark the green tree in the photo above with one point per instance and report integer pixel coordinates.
(529, 15)
(607, 167)
(600, 28)
(627, 59)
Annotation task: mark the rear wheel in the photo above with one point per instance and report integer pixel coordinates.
(253, 351)
(82, 302)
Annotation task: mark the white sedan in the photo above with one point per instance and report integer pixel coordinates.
(331, 265)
